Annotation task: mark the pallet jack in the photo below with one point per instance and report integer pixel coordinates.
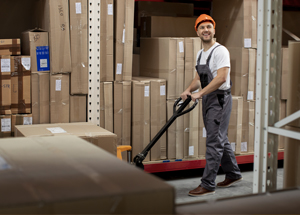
(138, 159)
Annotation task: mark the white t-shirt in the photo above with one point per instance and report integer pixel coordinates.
(220, 58)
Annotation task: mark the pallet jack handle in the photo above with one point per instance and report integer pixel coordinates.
(139, 158)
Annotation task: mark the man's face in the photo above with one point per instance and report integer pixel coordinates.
(206, 31)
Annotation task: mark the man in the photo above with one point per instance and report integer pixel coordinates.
(213, 72)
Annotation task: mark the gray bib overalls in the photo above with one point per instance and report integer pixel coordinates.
(216, 109)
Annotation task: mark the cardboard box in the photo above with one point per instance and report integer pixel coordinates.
(149, 8)
(5, 124)
(202, 133)
(53, 16)
(5, 81)
(248, 123)
(85, 130)
(10, 47)
(293, 103)
(122, 112)
(106, 106)
(79, 46)
(135, 65)
(20, 84)
(35, 44)
(78, 108)
(59, 98)
(174, 135)
(235, 124)
(70, 176)
(290, 22)
(124, 12)
(20, 119)
(106, 41)
(194, 125)
(242, 72)
(164, 58)
(236, 22)
(291, 173)
(282, 114)
(165, 26)
(141, 125)
(284, 73)
(40, 98)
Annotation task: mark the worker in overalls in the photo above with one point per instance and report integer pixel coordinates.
(213, 73)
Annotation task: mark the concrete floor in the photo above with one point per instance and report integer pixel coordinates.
(186, 180)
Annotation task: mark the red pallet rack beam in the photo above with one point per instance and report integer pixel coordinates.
(195, 164)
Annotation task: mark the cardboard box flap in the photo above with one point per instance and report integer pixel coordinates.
(34, 30)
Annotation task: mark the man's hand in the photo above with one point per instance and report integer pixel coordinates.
(196, 96)
(185, 94)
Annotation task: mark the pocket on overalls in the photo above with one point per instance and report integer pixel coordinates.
(204, 80)
(221, 99)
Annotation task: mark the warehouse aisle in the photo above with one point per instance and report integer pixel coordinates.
(184, 181)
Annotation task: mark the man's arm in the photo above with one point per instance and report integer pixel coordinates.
(193, 86)
(214, 84)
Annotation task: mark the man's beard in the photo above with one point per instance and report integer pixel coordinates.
(207, 40)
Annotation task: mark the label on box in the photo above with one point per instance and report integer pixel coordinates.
(26, 63)
(181, 49)
(27, 120)
(5, 125)
(233, 146)
(123, 37)
(163, 90)
(78, 7)
(243, 146)
(204, 132)
(146, 94)
(3, 164)
(119, 69)
(56, 130)
(191, 150)
(42, 58)
(247, 43)
(5, 65)
(57, 85)
(250, 95)
(110, 9)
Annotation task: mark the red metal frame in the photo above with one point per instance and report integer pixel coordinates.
(195, 164)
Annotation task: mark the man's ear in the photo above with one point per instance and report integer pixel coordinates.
(198, 33)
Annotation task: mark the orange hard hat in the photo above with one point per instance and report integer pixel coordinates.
(204, 18)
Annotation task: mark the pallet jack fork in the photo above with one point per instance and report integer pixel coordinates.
(138, 159)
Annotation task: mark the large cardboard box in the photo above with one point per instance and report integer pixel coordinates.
(291, 174)
(242, 72)
(164, 58)
(122, 112)
(135, 65)
(5, 124)
(59, 98)
(5, 81)
(150, 8)
(53, 16)
(293, 102)
(166, 26)
(106, 40)
(67, 175)
(191, 150)
(124, 12)
(174, 135)
(78, 108)
(35, 44)
(235, 124)
(202, 133)
(20, 119)
(284, 73)
(85, 130)
(10, 47)
(158, 113)
(248, 122)
(106, 106)
(290, 22)
(236, 22)
(79, 46)
(282, 114)
(20, 84)
(141, 125)
(40, 98)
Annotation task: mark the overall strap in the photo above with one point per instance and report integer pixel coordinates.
(209, 56)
